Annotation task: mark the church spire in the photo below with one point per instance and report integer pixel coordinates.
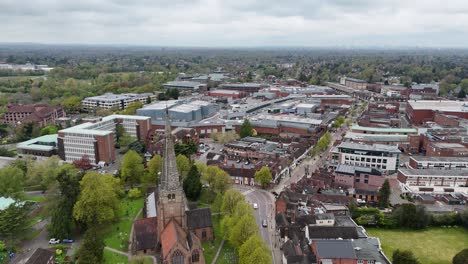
(170, 174)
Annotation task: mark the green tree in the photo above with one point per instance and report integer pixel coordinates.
(183, 165)
(132, 168)
(246, 129)
(462, 93)
(410, 216)
(217, 203)
(263, 176)
(186, 149)
(464, 218)
(192, 184)
(72, 104)
(92, 248)
(49, 130)
(244, 228)
(11, 182)
(134, 193)
(27, 131)
(260, 256)
(384, 194)
(404, 257)
(98, 200)
(246, 251)
(126, 139)
(230, 200)
(461, 257)
(61, 211)
(13, 222)
(222, 182)
(154, 167)
(132, 108)
(43, 173)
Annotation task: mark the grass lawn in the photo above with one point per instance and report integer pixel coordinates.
(37, 199)
(206, 198)
(209, 248)
(431, 246)
(117, 234)
(228, 254)
(114, 258)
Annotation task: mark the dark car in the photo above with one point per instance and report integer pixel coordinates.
(264, 223)
(67, 240)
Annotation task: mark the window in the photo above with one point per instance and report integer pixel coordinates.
(360, 262)
(203, 234)
(370, 262)
(195, 256)
(366, 181)
(177, 257)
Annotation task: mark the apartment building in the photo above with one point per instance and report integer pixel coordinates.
(441, 163)
(433, 180)
(97, 140)
(115, 101)
(382, 157)
(39, 113)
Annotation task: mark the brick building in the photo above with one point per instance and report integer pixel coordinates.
(449, 163)
(419, 112)
(442, 149)
(227, 93)
(361, 182)
(41, 114)
(434, 180)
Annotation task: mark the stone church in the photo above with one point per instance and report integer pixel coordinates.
(169, 228)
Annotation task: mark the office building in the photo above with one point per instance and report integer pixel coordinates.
(419, 112)
(115, 101)
(381, 157)
(441, 163)
(433, 180)
(97, 140)
(39, 113)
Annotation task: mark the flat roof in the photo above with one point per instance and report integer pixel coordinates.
(290, 119)
(35, 143)
(225, 91)
(448, 145)
(331, 248)
(88, 128)
(5, 202)
(377, 137)
(374, 147)
(433, 172)
(441, 105)
(385, 129)
(246, 85)
(439, 159)
(183, 84)
(305, 105)
(161, 105)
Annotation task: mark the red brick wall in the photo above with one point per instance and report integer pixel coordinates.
(106, 148)
(280, 206)
(444, 120)
(401, 177)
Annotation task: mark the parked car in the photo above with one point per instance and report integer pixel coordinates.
(238, 161)
(264, 223)
(67, 240)
(255, 206)
(54, 241)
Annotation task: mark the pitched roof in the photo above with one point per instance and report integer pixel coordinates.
(145, 231)
(199, 218)
(171, 235)
(333, 232)
(40, 256)
(342, 249)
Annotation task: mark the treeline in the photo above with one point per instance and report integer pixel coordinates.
(408, 216)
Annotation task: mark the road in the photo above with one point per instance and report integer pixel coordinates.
(265, 211)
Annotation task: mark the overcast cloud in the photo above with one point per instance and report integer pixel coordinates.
(426, 23)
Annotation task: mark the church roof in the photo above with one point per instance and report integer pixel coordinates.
(199, 218)
(169, 175)
(171, 235)
(145, 233)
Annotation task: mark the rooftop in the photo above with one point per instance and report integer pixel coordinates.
(115, 97)
(433, 172)
(441, 105)
(385, 129)
(376, 137)
(185, 84)
(335, 249)
(46, 143)
(349, 169)
(5, 202)
(448, 145)
(439, 159)
(374, 147)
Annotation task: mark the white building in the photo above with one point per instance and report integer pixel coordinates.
(115, 101)
(382, 157)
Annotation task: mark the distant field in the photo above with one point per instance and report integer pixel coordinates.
(20, 77)
(431, 246)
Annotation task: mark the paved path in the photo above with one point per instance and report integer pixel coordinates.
(117, 251)
(131, 233)
(217, 252)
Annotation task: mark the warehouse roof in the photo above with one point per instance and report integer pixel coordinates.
(46, 143)
(433, 172)
(374, 147)
(385, 129)
(441, 105)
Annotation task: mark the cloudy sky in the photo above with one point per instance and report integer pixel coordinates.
(249, 23)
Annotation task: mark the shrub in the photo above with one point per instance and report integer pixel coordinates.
(134, 193)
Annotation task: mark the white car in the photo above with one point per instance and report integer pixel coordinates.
(255, 206)
(54, 241)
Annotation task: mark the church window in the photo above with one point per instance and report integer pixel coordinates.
(195, 256)
(177, 257)
(203, 234)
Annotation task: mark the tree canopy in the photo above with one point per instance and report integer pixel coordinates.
(132, 168)
(263, 176)
(384, 194)
(404, 257)
(246, 129)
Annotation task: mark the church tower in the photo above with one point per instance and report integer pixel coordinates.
(172, 202)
